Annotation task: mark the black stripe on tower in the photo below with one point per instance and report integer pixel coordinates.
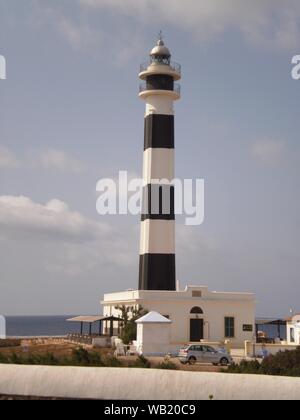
(160, 82)
(159, 132)
(157, 272)
(158, 202)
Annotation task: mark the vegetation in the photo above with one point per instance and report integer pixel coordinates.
(282, 364)
(168, 365)
(129, 327)
(142, 363)
(79, 357)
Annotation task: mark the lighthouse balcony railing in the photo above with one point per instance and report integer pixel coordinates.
(144, 88)
(174, 66)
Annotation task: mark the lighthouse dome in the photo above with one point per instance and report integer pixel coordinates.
(160, 50)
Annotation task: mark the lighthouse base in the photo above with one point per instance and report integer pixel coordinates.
(157, 272)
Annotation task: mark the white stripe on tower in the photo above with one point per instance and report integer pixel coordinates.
(157, 247)
(158, 165)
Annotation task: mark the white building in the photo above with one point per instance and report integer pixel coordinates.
(293, 330)
(196, 313)
(153, 334)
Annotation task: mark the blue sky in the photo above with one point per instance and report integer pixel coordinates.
(70, 114)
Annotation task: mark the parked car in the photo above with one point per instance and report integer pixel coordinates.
(204, 354)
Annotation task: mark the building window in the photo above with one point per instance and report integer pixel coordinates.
(292, 333)
(196, 294)
(196, 311)
(229, 327)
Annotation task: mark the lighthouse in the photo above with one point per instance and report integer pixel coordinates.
(157, 244)
(194, 313)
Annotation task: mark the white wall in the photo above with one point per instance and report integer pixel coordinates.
(251, 348)
(142, 384)
(214, 319)
(296, 328)
(154, 338)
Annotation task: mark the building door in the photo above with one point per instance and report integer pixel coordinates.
(196, 330)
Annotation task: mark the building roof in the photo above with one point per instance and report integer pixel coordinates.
(271, 321)
(153, 318)
(92, 319)
(137, 296)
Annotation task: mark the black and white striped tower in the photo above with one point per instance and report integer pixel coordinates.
(157, 247)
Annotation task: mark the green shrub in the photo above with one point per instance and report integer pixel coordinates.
(245, 367)
(285, 363)
(15, 359)
(142, 363)
(168, 365)
(113, 362)
(81, 357)
(282, 364)
(129, 332)
(129, 327)
(3, 359)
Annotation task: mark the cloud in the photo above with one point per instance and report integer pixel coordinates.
(269, 151)
(80, 36)
(77, 244)
(21, 218)
(54, 159)
(7, 159)
(86, 35)
(59, 160)
(271, 23)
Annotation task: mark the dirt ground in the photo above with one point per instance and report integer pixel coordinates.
(58, 349)
(63, 349)
(158, 360)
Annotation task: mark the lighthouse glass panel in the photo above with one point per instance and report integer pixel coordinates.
(159, 59)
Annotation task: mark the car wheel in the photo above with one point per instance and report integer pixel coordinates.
(192, 360)
(224, 362)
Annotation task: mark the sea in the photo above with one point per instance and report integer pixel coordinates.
(40, 326)
(49, 326)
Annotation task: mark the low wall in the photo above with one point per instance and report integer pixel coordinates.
(141, 384)
(101, 342)
(174, 348)
(252, 350)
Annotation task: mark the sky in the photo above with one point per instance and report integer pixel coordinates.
(70, 115)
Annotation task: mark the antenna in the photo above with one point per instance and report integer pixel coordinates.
(160, 36)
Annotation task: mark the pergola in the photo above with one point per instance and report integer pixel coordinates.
(271, 321)
(90, 320)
